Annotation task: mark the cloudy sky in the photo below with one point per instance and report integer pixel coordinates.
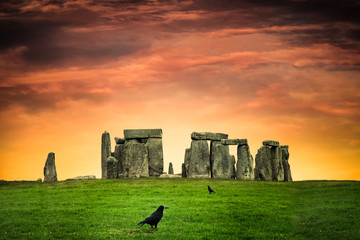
(281, 70)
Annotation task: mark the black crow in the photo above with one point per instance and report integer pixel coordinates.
(154, 218)
(210, 190)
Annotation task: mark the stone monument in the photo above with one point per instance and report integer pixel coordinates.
(50, 174)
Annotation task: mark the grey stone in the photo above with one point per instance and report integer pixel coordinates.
(156, 159)
(142, 133)
(234, 141)
(268, 164)
(187, 161)
(136, 163)
(105, 152)
(111, 168)
(233, 172)
(199, 158)
(119, 140)
(119, 154)
(271, 143)
(208, 136)
(183, 170)
(86, 177)
(263, 168)
(50, 174)
(170, 176)
(222, 162)
(285, 161)
(171, 169)
(245, 163)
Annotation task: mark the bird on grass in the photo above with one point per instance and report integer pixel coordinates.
(210, 190)
(154, 218)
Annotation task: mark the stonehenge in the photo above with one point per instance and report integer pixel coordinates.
(138, 154)
(201, 162)
(50, 174)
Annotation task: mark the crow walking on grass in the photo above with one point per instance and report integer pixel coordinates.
(154, 218)
(210, 190)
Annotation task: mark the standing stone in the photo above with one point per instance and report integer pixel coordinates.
(136, 159)
(277, 164)
(105, 152)
(263, 169)
(183, 170)
(199, 159)
(233, 174)
(111, 168)
(119, 154)
(286, 165)
(156, 159)
(187, 161)
(245, 163)
(171, 169)
(269, 162)
(50, 174)
(222, 162)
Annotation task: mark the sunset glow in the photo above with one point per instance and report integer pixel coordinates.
(281, 70)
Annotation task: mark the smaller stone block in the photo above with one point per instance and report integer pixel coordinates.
(119, 140)
(142, 133)
(271, 143)
(234, 141)
(208, 136)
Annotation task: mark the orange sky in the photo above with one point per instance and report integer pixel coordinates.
(281, 70)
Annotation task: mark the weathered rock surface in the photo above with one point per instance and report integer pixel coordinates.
(136, 163)
(171, 169)
(111, 168)
(233, 173)
(271, 143)
(285, 160)
(199, 158)
(105, 152)
(245, 163)
(208, 136)
(119, 140)
(86, 177)
(50, 174)
(170, 176)
(187, 161)
(269, 163)
(234, 141)
(183, 170)
(119, 154)
(156, 161)
(142, 133)
(222, 162)
(263, 168)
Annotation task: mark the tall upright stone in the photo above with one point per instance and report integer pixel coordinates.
(171, 169)
(119, 154)
(187, 161)
(269, 162)
(183, 170)
(199, 159)
(105, 152)
(112, 168)
(136, 163)
(285, 161)
(50, 174)
(156, 158)
(245, 163)
(221, 161)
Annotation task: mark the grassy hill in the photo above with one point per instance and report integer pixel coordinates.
(110, 209)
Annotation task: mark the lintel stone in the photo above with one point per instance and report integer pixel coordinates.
(208, 136)
(119, 140)
(271, 143)
(142, 133)
(234, 141)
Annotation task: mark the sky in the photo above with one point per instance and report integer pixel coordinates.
(280, 70)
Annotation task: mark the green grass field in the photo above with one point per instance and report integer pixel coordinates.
(110, 209)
